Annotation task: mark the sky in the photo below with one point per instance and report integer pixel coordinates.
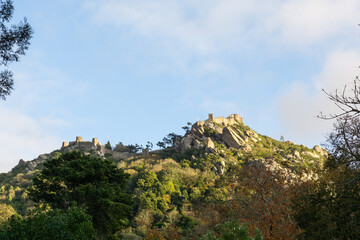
(133, 71)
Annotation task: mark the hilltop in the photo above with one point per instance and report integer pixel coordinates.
(171, 184)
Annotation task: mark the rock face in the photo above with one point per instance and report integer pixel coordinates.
(321, 150)
(219, 168)
(32, 165)
(232, 139)
(311, 154)
(87, 147)
(223, 130)
(209, 144)
(274, 167)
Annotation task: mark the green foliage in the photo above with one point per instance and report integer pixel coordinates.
(15, 41)
(6, 211)
(91, 183)
(108, 145)
(168, 187)
(210, 132)
(186, 222)
(70, 224)
(329, 207)
(232, 230)
(168, 141)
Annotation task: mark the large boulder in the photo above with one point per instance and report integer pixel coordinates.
(232, 139)
(219, 168)
(209, 144)
(310, 154)
(186, 143)
(321, 150)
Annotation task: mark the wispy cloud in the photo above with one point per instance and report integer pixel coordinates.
(230, 24)
(31, 120)
(307, 22)
(204, 28)
(301, 102)
(24, 137)
(221, 35)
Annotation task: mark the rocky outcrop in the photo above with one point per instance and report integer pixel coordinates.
(28, 166)
(88, 148)
(321, 150)
(222, 130)
(219, 168)
(209, 144)
(290, 176)
(232, 139)
(310, 154)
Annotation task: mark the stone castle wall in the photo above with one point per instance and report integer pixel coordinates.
(232, 119)
(83, 144)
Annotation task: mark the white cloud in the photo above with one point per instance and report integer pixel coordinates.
(213, 26)
(213, 30)
(203, 27)
(24, 137)
(340, 69)
(301, 102)
(29, 119)
(304, 22)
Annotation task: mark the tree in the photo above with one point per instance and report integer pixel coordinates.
(91, 183)
(169, 141)
(187, 128)
(6, 211)
(14, 41)
(161, 144)
(134, 148)
(149, 145)
(70, 224)
(343, 143)
(329, 207)
(231, 230)
(108, 145)
(262, 198)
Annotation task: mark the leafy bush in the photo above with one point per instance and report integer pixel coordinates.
(70, 224)
(232, 230)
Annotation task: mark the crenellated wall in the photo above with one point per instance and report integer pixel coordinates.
(85, 144)
(232, 119)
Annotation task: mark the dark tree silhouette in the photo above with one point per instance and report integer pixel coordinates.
(14, 41)
(91, 183)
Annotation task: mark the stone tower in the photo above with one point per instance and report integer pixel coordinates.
(78, 139)
(211, 117)
(95, 141)
(65, 144)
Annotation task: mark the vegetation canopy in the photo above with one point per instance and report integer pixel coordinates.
(91, 183)
(14, 41)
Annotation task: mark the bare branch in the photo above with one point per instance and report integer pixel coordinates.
(349, 105)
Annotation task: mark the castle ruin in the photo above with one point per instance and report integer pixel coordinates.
(232, 119)
(83, 145)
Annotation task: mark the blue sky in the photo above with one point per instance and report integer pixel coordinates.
(133, 71)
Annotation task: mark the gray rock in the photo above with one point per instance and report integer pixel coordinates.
(297, 154)
(186, 143)
(321, 150)
(232, 139)
(209, 144)
(219, 168)
(310, 154)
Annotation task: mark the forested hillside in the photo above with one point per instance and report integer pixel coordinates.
(220, 173)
